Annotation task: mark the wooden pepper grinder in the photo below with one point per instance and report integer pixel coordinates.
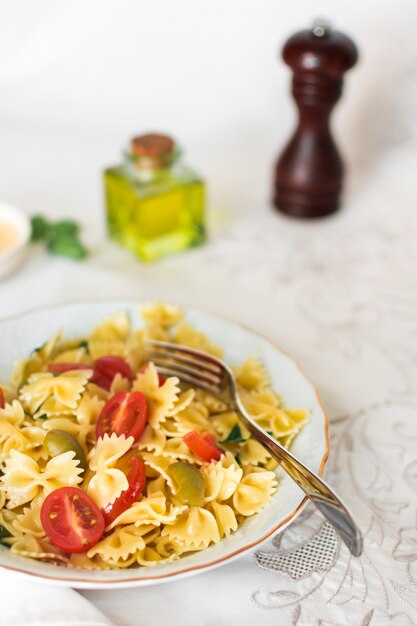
(309, 172)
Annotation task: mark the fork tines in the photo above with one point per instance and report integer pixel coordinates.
(189, 365)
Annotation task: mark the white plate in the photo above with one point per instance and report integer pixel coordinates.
(20, 335)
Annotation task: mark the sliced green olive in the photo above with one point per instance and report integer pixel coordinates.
(190, 483)
(59, 441)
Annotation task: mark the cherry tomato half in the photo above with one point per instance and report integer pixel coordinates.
(204, 446)
(106, 368)
(161, 377)
(60, 368)
(124, 414)
(71, 519)
(2, 400)
(136, 478)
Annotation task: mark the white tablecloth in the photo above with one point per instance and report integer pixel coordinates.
(340, 295)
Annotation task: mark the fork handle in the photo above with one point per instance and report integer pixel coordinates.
(315, 488)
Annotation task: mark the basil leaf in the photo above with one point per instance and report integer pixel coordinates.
(40, 228)
(234, 436)
(84, 344)
(67, 245)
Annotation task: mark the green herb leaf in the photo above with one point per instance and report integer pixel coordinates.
(84, 344)
(65, 227)
(42, 417)
(60, 237)
(67, 245)
(3, 532)
(40, 228)
(235, 435)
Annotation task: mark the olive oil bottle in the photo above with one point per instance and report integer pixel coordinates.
(155, 204)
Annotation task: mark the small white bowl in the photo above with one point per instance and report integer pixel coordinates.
(12, 257)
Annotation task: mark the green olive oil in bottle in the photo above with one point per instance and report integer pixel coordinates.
(155, 204)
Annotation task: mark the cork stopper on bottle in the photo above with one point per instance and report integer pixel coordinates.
(153, 149)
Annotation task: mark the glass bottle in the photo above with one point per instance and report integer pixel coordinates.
(155, 204)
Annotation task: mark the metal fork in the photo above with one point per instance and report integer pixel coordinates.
(214, 376)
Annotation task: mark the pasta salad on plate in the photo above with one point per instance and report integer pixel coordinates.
(107, 464)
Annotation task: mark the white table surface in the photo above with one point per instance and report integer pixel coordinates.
(339, 295)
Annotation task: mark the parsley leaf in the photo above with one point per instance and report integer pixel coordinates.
(67, 245)
(60, 237)
(40, 228)
(3, 533)
(67, 228)
(84, 344)
(235, 435)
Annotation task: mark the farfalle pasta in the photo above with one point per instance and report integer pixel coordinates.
(89, 426)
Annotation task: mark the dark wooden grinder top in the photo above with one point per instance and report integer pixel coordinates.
(309, 173)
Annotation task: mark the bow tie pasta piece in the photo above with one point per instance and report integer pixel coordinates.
(212, 404)
(24, 439)
(266, 408)
(81, 561)
(119, 383)
(159, 319)
(36, 548)
(99, 349)
(22, 477)
(185, 399)
(75, 355)
(119, 546)
(160, 466)
(170, 548)
(225, 518)
(89, 409)
(147, 379)
(152, 440)
(196, 528)
(153, 510)
(193, 417)
(160, 399)
(7, 517)
(176, 448)
(149, 557)
(188, 336)
(254, 491)
(108, 482)
(65, 389)
(13, 413)
(115, 327)
(159, 484)
(164, 315)
(252, 375)
(253, 453)
(221, 478)
(29, 521)
(36, 362)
